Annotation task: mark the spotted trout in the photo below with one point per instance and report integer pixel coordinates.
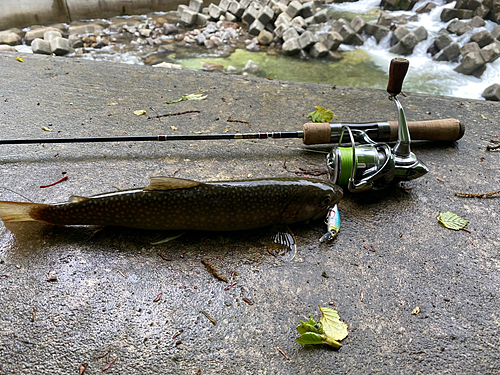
(180, 204)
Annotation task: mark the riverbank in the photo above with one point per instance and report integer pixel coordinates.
(77, 298)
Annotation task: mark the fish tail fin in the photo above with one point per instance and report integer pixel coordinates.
(17, 211)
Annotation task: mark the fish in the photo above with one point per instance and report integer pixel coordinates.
(332, 224)
(169, 203)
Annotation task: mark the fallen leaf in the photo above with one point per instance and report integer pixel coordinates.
(416, 311)
(484, 117)
(140, 112)
(321, 115)
(332, 326)
(452, 221)
(197, 96)
(328, 331)
(20, 59)
(174, 128)
(114, 103)
(46, 129)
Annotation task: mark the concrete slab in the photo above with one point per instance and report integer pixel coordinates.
(113, 292)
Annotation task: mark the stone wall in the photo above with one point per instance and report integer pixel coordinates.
(22, 13)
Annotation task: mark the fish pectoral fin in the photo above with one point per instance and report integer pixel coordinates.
(77, 199)
(282, 242)
(170, 183)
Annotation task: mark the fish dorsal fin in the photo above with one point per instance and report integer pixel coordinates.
(77, 199)
(170, 183)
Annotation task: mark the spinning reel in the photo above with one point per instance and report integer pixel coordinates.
(371, 165)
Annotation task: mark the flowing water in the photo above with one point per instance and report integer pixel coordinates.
(364, 66)
(367, 66)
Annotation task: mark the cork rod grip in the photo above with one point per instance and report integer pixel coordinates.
(397, 73)
(449, 129)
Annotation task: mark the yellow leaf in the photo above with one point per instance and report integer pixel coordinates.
(173, 127)
(20, 59)
(114, 103)
(332, 326)
(140, 112)
(44, 128)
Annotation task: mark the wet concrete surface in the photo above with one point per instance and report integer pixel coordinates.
(69, 296)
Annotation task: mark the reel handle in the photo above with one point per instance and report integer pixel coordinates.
(449, 129)
(397, 73)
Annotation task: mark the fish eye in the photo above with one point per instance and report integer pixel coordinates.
(325, 201)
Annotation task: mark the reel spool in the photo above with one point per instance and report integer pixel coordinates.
(370, 165)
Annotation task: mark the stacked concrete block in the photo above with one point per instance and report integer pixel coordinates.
(194, 14)
(318, 49)
(294, 8)
(407, 40)
(307, 39)
(492, 92)
(331, 40)
(52, 43)
(256, 27)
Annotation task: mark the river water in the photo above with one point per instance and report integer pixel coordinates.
(365, 66)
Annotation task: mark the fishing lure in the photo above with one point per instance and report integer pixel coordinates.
(332, 224)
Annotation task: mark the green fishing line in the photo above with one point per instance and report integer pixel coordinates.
(346, 165)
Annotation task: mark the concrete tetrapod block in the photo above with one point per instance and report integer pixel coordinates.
(256, 27)
(492, 92)
(491, 52)
(265, 15)
(291, 46)
(195, 5)
(294, 8)
(470, 63)
(41, 46)
(318, 49)
(59, 46)
(307, 39)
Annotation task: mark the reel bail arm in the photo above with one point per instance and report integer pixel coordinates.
(371, 165)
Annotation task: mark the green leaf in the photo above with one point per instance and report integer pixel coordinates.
(328, 331)
(197, 96)
(310, 338)
(332, 326)
(310, 326)
(321, 115)
(452, 221)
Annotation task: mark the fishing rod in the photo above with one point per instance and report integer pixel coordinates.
(311, 134)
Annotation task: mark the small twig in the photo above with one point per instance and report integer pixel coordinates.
(158, 297)
(230, 286)
(164, 257)
(83, 367)
(248, 301)
(282, 352)
(104, 355)
(171, 114)
(177, 334)
(109, 365)
(362, 296)
(33, 314)
(121, 273)
(478, 195)
(54, 183)
(213, 270)
(209, 318)
(240, 121)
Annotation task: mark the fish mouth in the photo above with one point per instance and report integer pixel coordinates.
(322, 213)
